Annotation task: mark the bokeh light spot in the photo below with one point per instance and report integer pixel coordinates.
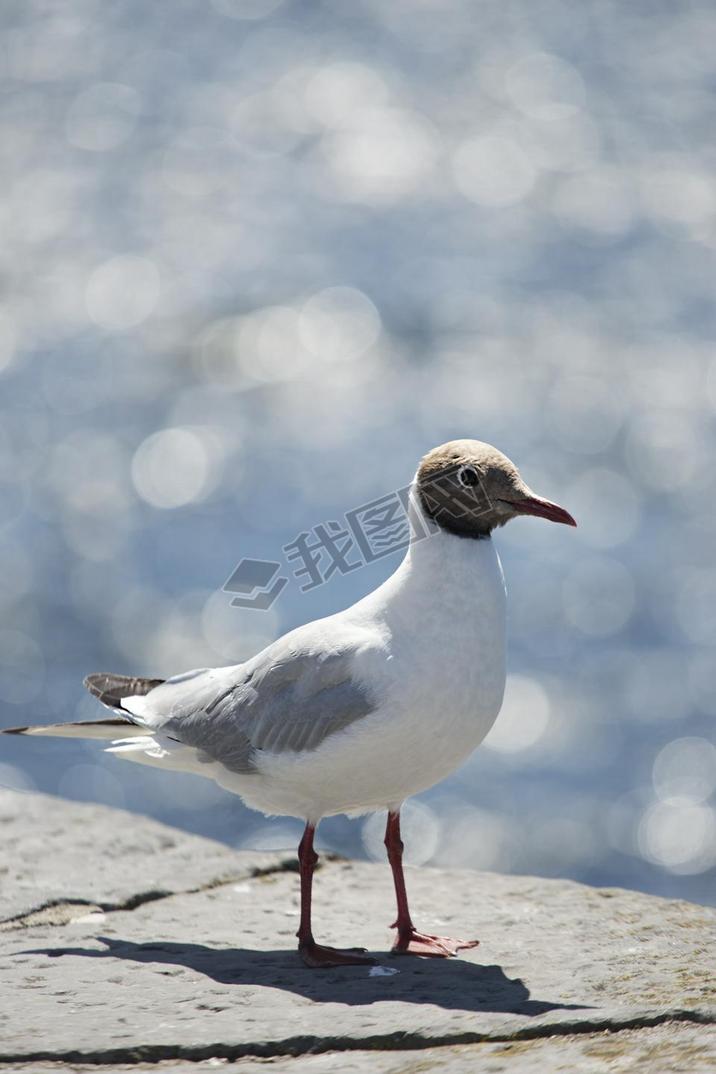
(171, 468)
(545, 86)
(524, 717)
(685, 771)
(682, 838)
(122, 292)
(338, 324)
(380, 154)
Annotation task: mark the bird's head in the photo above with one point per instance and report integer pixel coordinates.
(468, 488)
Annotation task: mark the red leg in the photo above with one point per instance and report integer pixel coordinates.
(409, 941)
(313, 954)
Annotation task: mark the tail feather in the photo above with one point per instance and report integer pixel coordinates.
(105, 729)
(110, 689)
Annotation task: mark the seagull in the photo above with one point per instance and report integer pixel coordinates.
(355, 712)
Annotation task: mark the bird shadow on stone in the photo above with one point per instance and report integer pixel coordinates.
(452, 984)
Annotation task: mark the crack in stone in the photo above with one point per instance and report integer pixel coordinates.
(58, 912)
(55, 912)
(397, 1041)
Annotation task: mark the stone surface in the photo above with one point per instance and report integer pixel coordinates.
(209, 973)
(672, 1048)
(53, 851)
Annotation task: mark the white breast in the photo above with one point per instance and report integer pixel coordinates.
(438, 672)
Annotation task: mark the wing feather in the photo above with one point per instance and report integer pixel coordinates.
(291, 697)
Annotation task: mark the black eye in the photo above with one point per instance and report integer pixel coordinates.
(467, 476)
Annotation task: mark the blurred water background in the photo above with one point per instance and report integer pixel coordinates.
(257, 257)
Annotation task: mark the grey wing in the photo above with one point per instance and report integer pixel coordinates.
(289, 698)
(191, 709)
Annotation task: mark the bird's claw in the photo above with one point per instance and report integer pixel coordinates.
(412, 942)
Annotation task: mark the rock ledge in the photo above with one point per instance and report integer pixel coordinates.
(126, 942)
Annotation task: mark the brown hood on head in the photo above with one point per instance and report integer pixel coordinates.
(468, 488)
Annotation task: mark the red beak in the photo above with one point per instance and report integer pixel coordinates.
(534, 505)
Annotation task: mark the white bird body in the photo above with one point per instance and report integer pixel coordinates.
(358, 711)
(428, 645)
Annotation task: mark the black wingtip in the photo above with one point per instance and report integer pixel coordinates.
(94, 683)
(14, 730)
(110, 689)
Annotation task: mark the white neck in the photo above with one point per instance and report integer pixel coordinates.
(442, 571)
